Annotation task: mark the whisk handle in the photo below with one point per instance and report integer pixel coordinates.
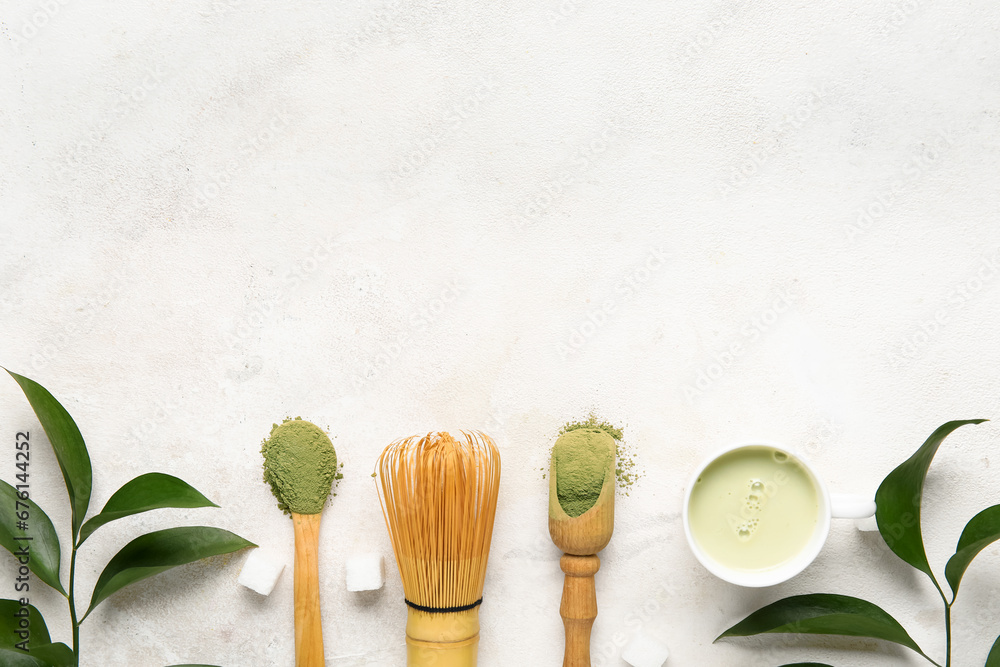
(579, 606)
(442, 640)
(308, 629)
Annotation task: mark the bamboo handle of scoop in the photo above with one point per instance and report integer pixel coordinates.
(579, 606)
(308, 628)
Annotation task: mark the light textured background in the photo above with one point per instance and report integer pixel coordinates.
(392, 217)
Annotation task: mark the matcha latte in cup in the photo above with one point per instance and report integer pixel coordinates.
(757, 514)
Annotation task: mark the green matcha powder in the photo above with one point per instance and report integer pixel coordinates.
(300, 464)
(581, 460)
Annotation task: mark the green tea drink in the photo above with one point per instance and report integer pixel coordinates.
(753, 509)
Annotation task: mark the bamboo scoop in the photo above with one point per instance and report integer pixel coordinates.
(300, 464)
(581, 458)
(308, 625)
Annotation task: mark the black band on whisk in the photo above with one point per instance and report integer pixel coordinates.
(443, 610)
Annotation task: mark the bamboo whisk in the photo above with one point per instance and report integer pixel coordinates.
(439, 497)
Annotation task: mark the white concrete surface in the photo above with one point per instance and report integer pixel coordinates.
(707, 222)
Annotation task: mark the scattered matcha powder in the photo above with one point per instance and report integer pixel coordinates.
(626, 473)
(591, 422)
(300, 464)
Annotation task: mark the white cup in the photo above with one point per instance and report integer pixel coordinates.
(831, 506)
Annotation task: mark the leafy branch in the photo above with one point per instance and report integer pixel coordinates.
(143, 557)
(898, 500)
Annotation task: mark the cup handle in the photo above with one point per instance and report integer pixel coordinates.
(850, 506)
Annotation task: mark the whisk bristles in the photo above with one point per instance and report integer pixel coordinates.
(439, 497)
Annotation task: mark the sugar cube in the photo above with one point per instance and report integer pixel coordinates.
(260, 572)
(866, 525)
(851, 506)
(365, 572)
(644, 651)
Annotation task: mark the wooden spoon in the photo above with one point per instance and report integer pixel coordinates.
(308, 628)
(581, 537)
(300, 464)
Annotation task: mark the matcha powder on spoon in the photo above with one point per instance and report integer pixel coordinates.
(300, 464)
(582, 458)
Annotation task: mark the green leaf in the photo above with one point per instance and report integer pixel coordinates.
(993, 659)
(71, 452)
(981, 531)
(54, 655)
(159, 551)
(9, 624)
(151, 491)
(16, 658)
(823, 614)
(899, 497)
(43, 547)
(41, 652)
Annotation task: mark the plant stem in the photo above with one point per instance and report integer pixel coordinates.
(947, 632)
(947, 622)
(72, 609)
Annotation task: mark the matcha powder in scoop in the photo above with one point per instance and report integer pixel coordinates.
(582, 458)
(300, 464)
